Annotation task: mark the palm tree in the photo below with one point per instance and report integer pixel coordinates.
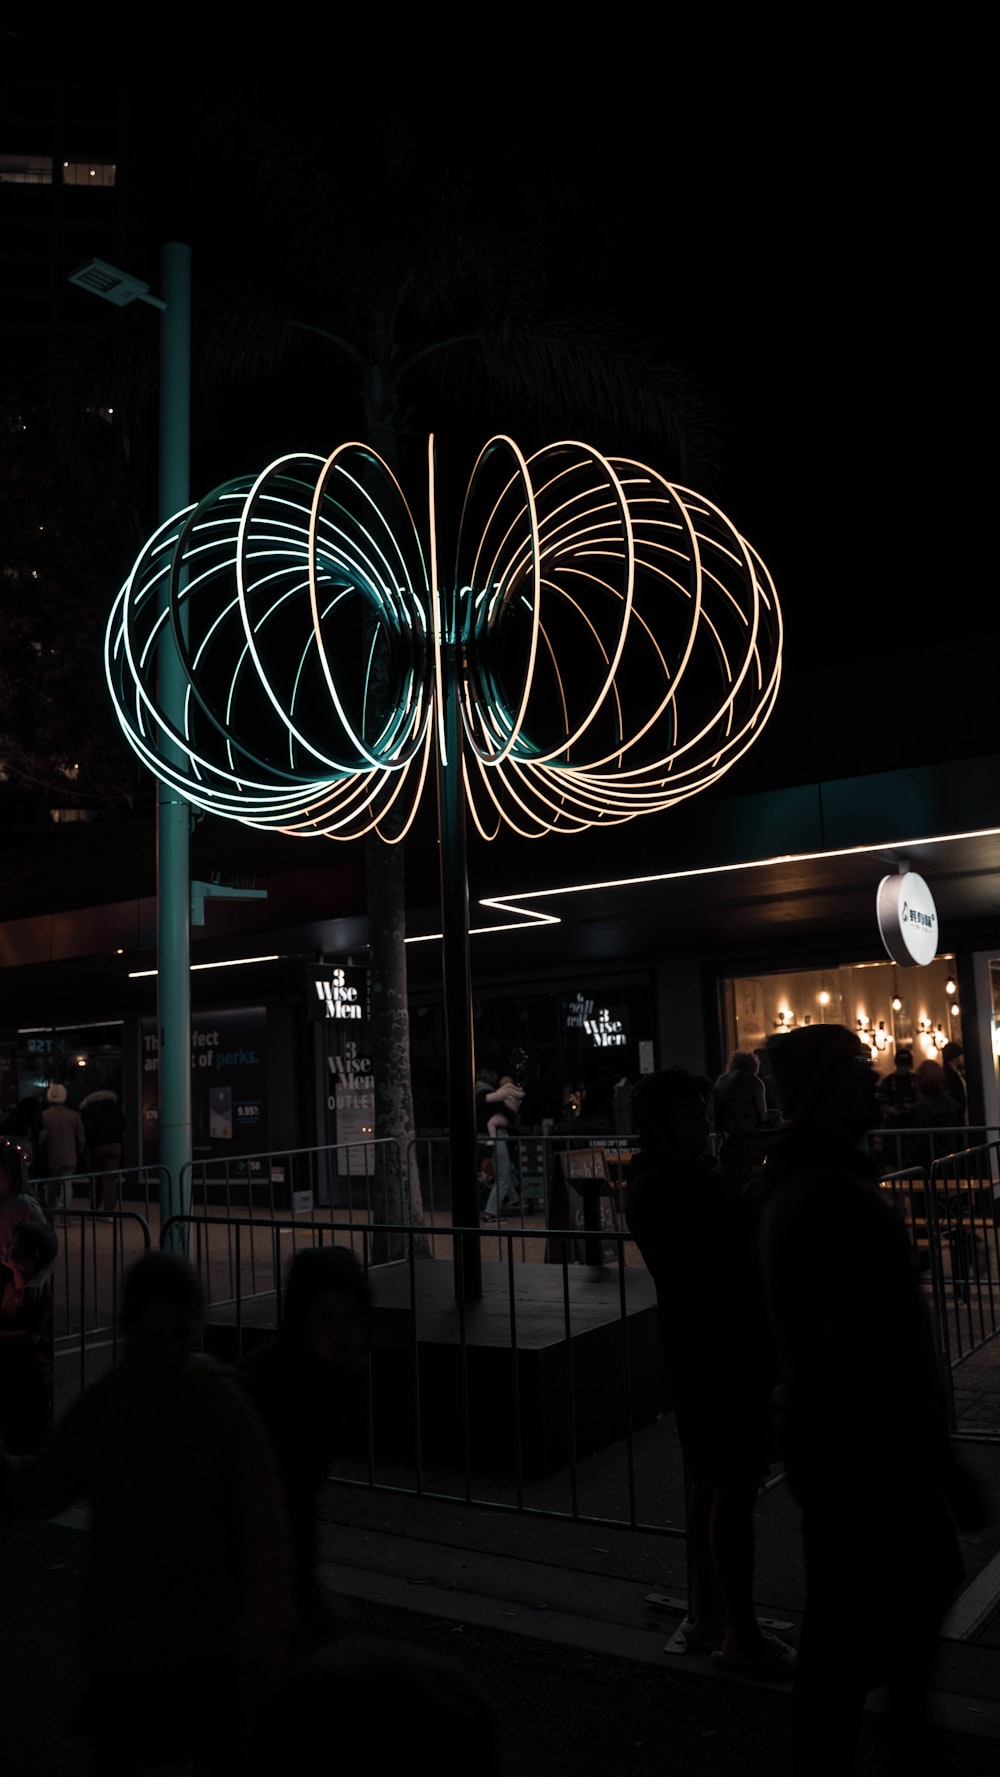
(414, 284)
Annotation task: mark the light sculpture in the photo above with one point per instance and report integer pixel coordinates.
(606, 645)
(611, 642)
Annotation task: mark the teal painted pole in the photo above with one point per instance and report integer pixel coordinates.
(172, 810)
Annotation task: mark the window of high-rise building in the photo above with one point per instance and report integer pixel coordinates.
(25, 169)
(88, 172)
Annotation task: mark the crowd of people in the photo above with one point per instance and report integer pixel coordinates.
(61, 1143)
(780, 1344)
(202, 1602)
(802, 1334)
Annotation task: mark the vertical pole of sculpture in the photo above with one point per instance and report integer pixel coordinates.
(456, 963)
(172, 809)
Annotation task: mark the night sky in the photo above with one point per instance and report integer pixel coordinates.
(787, 221)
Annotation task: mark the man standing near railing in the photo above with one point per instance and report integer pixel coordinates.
(954, 1084)
(497, 1105)
(104, 1127)
(690, 1227)
(186, 1616)
(64, 1144)
(862, 1420)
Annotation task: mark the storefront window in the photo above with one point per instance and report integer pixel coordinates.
(84, 1060)
(571, 1047)
(887, 1006)
(228, 1096)
(995, 992)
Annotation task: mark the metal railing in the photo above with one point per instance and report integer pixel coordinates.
(94, 1254)
(291, 1179)
(538, 1196)
(458, 1413)
(963, 1207)
(103, 1221)
(899, 1148)
(952, 1213)
(491, 1403)
(103, 1193)
(297, 1186)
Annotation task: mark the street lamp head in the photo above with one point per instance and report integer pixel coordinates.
(119, 287)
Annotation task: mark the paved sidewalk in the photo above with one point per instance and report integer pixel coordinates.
(585, 1589)
(554, 1614)
(554, 1618)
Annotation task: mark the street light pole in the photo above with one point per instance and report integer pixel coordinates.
(173, 903)
(173, 980)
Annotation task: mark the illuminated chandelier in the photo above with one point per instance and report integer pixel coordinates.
(610, 643)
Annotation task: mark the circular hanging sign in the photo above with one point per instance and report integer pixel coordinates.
(907, 919)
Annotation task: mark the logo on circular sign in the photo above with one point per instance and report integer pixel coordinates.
(907, 919)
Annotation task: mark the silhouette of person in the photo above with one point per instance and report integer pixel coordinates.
(104, 1127)
(186, 1610)
(954, 1083)
(696, 1242)
(26, 1336)
(740, 1115)
(497, 1104)
(935, 1108)
(24, 1125)
(18, 1202)
(304, 1386)
(863, 1425)
(65, 1141)
(897, 1093)
(387, 1691)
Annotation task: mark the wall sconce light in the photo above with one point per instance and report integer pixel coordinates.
(875, 1040)
(950, 985)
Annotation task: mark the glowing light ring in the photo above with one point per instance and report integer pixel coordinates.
(614, 641)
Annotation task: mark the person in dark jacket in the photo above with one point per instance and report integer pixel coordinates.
(24, 1125)
(954, 1082)
(186, 1615)
(64, 1144)
(863, 1424)
(696, 1242)
(104, 1127)
(304, 1385)
(26, 1337)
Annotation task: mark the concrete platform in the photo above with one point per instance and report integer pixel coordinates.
(547, 1366)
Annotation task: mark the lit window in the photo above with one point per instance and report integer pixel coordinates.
(25, 169)
(88, 172)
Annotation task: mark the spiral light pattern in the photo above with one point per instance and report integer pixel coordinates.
(614, 642)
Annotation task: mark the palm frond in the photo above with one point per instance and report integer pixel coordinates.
(247, 340)
(589, 370)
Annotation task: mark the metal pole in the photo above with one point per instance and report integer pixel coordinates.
(457, 972)
(172, 815)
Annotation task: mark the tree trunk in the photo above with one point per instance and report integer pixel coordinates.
(397, 1184)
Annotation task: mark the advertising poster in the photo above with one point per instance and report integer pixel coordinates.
(228, 1098)
(337, 995)
(351, 1107)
